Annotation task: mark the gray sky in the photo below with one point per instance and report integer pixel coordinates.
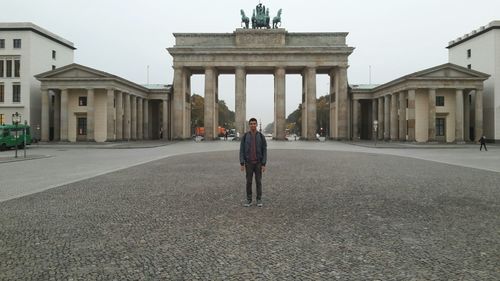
(123, 37)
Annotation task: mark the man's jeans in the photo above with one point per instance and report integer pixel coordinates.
(251, 169)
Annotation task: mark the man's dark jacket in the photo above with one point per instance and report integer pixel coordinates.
(260, 147)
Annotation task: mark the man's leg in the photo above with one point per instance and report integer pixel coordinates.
(249, 172)
(258, 180)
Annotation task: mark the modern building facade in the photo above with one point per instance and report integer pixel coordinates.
(480, 50)
(80, 103)
(439, 104)
(26, 50)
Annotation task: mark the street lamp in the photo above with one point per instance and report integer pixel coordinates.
(16, 118)
(375, 130)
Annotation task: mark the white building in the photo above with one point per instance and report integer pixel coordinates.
(26, 50)
(480, 50)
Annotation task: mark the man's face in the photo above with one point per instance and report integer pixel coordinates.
(253, 125)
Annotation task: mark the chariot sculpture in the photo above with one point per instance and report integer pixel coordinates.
(260, 18)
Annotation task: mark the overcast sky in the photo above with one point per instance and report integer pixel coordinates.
(123, 37)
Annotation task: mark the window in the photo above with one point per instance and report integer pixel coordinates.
(16, 93)
(53, 67)
(9, 68)
(53, 54)
(17, 43)
(469, 53)
(469, 66)
(2, 43)
(2, 93)
(1, 68)
(82, 101)
(439, 100)
(17, 68)
(440, 127)
(2, 121)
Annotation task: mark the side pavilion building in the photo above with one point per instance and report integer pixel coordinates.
(80, 103)
(442, 103)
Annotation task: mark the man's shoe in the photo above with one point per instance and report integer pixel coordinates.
(248, 203)
(259, 203)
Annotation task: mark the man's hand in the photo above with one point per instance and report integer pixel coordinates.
(263, 169)
(242, 168)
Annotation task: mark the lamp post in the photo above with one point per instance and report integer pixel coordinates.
(375, 130)
(16, 118)
(24, 137)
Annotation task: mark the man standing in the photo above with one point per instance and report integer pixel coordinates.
(482, 140)
(253, 157)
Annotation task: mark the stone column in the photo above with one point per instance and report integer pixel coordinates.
(374, 117)
(478, 126)
(140, 119)
(133, 117)
(402, 116)
(165, 118)
(311, 102)
(342, 103)
(146, 120)
(240, 101)
(57, 115)
(119, 116)
(333, 112)
(187, 109)
(411, 115)
(394, 118)
(459, 115)
(178, 104)
(303, 106)
(355, 119)
(210, 103)
(381, 118)
(431, 134)
(279, 102)
(90, 115)
(110, 115)
(64, 115)
(466, 117)
(45, 124)
(387, 117)
(126, 119)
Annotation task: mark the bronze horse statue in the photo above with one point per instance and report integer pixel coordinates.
(277, 19)
(244, 19)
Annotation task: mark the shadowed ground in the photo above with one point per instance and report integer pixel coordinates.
(326, 215)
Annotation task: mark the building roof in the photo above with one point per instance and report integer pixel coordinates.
(28, 26)
(483, 29)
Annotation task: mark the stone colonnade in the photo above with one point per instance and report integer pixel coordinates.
(401, 118)
(118, 115)
(181, 104)
(274, 52)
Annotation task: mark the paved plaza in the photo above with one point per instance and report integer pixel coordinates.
(173, 211)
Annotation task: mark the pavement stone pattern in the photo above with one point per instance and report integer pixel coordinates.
(327, 215)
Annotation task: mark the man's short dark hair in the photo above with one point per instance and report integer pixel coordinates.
(252, 119)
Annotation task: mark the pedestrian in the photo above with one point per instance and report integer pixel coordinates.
(253, 157)
(225, 135)
(482, 140)
(161, 132)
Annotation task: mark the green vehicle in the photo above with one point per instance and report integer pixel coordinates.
(8, 136)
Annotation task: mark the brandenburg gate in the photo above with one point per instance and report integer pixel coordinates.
(260, 51)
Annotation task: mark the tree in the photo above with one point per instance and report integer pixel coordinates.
(226, 116)
(294, 120)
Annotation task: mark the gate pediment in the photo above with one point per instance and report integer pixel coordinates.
(74, 71)
(448, 71)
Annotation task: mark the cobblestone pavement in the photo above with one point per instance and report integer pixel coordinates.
(327, 215)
